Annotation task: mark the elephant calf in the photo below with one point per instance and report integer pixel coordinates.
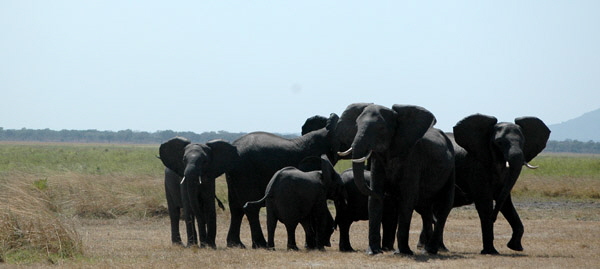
(294, 196)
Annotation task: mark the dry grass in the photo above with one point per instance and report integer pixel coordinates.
(87, 206)
(30, 229)
(557, 240)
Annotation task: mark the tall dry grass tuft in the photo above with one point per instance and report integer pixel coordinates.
(30, 228)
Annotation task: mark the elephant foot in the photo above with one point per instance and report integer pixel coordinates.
(491, 251)
(208, 245)
(432, 250)
(387, 248)
(515, 245)
(374, 251)
(404, 252)
(346, 249)
(236, 245)
(443, 248)
(178, 243)
(257, 245)
(293, 248)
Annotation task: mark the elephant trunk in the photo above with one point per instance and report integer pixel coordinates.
(358, 168)
(513, 165)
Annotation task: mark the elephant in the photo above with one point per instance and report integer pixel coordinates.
(173, 193)
(354, 207)
(410, 159)
(260, 155)
(197, 165)
(489, 159)
(294, 196)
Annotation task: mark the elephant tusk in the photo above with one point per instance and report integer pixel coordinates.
(345, 153)
(507, 164)
(183, 179)
(531, 166)
(363, 159)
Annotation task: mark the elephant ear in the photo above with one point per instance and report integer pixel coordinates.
(314, 123)
(332, 122)
(412, 122)
(346, 128)
(327, 170)
(536, 135)
(171, 154)
(223, 157)
(474, 133)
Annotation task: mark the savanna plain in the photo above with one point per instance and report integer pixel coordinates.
(90, 206)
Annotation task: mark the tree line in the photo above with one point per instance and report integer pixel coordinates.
(119, 137)
(140, 137)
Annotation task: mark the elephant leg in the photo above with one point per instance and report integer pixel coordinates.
(233, 235)
(320, 225)
(435, 241)
(201, 219)
(408, 195)
(174, 215)
(390, 223)
(511, 215)
(426, 230)
(210, 214)
(344, 244)
(309, 232)
(376, 207)
(404, 218)
(484, 210)
(291, 236)
(258, 239)
(271, 226)
(192, 235)
(189, 218)
(441, 208)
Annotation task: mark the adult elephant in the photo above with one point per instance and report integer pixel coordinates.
(174, 191)
(260, 155)
(489, 159)
(410, 159)
(197, 165)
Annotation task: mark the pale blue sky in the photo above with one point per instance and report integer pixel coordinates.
(268, 65)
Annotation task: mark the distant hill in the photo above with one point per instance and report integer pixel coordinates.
(583, 128)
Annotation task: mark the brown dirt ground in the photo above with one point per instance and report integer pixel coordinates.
(557, 235)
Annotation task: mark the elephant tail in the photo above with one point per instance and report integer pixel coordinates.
(220, 203)
(256, 204)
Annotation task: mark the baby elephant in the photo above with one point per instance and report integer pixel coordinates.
(293, 196)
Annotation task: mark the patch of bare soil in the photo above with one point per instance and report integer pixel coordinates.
(557, 235)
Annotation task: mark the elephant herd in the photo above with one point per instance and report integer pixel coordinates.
(400, 164)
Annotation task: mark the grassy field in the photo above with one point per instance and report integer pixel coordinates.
(103, 205)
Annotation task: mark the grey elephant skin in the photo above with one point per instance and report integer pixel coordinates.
(489, 159)
(411, 160)
(260, 156)
(173, 193)
(198, 165)
(297, 197)
(354, 207)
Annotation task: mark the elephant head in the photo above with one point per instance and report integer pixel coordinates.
(370, 128)
(502, 148)
(197, 161)
(313, 123)
(199, 165)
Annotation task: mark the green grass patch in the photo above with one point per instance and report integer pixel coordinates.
(80, 158)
